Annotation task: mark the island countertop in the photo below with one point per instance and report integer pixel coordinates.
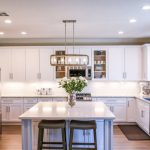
(61, 110)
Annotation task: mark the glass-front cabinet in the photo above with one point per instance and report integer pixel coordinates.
(60, 70)
(100, 64)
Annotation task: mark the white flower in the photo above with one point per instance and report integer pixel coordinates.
(65, 79)
(62, 82)
(81, 78)
(73, 78)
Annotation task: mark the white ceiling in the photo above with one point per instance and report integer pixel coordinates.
(95, 18)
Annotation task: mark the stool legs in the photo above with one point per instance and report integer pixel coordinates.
(71, 139)
(40, 138)
(64, 138)
(95, 138)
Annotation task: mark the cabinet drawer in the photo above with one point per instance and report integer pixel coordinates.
(113, 100)
(45, 99)
(12, 100)
(30, 100)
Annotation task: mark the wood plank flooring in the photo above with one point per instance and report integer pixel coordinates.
(11, 140)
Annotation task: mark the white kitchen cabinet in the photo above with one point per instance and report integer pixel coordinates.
(5, 63)
(18, 64)
(117, 106)
(116, 63)
(131, 108)
(46, 99)
(33, 64)
(46, 70)
(143, 115)
(12, 108)
(146, 62)
(133, 62)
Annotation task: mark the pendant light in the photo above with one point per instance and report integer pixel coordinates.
(69, 59)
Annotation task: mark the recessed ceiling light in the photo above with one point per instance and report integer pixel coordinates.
(2, 33)
(23, 33)
(7, 21)
(132, 20)
(146, 7)
(120, 32)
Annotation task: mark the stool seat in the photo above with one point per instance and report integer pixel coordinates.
(77, 124)
(55, 124)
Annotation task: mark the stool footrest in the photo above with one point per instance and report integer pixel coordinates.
(46, 147)
(83, 148)
(52, 142)
(83, 143)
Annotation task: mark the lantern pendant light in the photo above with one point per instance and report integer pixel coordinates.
(69, 59)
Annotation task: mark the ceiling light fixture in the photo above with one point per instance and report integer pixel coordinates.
(120, 32)
(2, 33)
(8, 21)
(132, 20)
(146, 7)
(69, 59)
(23, 33)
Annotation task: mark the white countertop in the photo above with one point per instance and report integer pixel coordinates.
(61, 110)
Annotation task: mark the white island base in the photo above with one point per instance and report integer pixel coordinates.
(61, 110)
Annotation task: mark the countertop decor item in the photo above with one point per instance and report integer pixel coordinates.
(73, 86)
(69, 59)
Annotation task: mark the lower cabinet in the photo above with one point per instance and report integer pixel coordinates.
(143, 115)
(12, 109)
(118, 106)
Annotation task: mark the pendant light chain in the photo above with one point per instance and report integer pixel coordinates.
(65, 36)
(73, 37)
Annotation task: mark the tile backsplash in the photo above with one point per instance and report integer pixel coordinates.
(96, 88)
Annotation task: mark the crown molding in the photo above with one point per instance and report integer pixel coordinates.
(78, 41)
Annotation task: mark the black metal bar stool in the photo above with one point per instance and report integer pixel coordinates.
(52, 124)
(82, 125)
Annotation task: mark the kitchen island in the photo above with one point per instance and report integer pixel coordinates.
(61, 110)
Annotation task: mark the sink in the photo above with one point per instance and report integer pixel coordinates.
(147, 99)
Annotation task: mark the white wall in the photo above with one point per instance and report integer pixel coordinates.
(97, 88)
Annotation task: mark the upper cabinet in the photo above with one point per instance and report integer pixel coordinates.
(33, 64)
(116, 63)
(146, 62)
(125, 63)
(12, 63)
(46, 70)
(100, 63)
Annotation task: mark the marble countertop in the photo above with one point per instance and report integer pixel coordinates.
(61, 110)
(142, 98)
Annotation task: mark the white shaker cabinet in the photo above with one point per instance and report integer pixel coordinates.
(5, 63)
(133, 60)
(12, 108)
(18, 64)
(143, 115)
(33, 64)
(47, 71)
(146, 62)
(131, 109)
(116, 63)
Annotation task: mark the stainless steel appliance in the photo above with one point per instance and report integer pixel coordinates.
(83, 97)
(80, 71)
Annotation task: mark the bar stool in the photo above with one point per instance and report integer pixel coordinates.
(52, 124)
(82, 125)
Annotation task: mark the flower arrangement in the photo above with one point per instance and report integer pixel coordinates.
(73, 84)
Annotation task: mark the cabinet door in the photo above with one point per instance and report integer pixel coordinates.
(32, 64)
(5, 63)
(133, 69)
(116, 63)
(5, 112)
(146, 117)
(119, 111)
(47, 71)
(131, 109)
(18, 64)
(15, 111)
(139, 113)
(26, 107)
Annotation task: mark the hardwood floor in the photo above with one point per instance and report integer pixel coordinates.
(11, 140)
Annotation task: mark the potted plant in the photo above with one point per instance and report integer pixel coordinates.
(72, 86)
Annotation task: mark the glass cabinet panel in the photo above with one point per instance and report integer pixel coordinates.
(99, 64)
(60, 70)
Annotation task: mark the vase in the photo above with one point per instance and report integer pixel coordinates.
(72, 99)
